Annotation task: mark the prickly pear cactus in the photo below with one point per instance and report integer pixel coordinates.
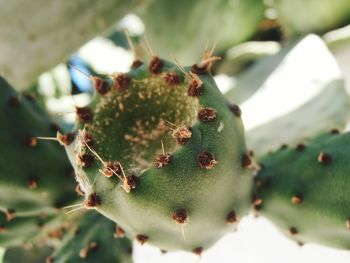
(305, 16)
(32, 231)
(93, 239)
(191, 24)
(21, 230)
(305, 190)
(160, 152)
(35, 176)
(29, 255)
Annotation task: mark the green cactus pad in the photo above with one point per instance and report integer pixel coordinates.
(34, 175)
(93, 239)
(299, 17)
(161, 153)
(305, 190)
(27, 255)
(190, 25)
(34, 230)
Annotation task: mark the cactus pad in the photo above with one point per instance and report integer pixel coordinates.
(93, 238)
(35, 176)
(305, 190)
(161, 153)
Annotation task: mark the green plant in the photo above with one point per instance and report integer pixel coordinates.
(304, 190)
(158, 154)
(151, 152)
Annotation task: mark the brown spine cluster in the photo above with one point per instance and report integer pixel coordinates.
(121, 81)
(163, 160)
(206, 160)
(180, 216)
(206, 114)
(155, 65)
(92, 201)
